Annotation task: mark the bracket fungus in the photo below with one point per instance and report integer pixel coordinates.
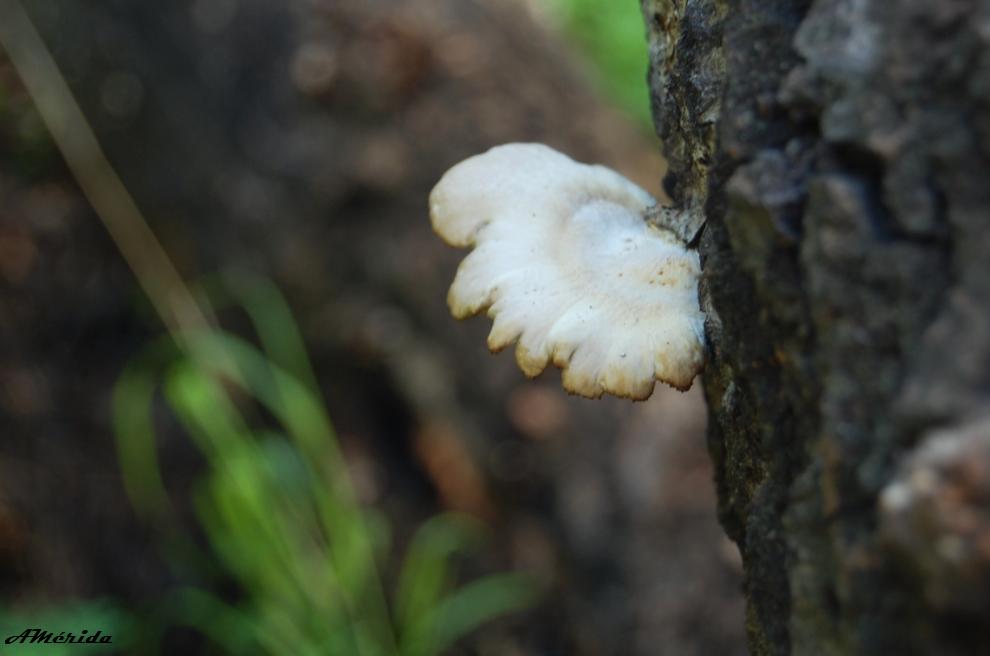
(565, 264)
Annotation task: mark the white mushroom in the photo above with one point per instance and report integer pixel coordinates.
(565, 264)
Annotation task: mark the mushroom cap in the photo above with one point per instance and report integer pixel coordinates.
(564, 263)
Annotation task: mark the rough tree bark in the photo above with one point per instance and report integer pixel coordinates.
(839, 151)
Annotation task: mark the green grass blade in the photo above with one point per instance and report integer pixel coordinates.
(134, 430)
(478, 602)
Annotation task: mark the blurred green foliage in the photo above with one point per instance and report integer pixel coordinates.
(278, 509)
(612, 34)
(275, 507)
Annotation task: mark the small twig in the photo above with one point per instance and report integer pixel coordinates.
(96, 177)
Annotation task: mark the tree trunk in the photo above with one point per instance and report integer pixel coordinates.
(839, 153)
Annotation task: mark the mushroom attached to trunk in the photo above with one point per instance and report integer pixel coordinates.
(565, 264)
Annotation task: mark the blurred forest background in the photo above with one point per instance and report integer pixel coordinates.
(296, 142)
